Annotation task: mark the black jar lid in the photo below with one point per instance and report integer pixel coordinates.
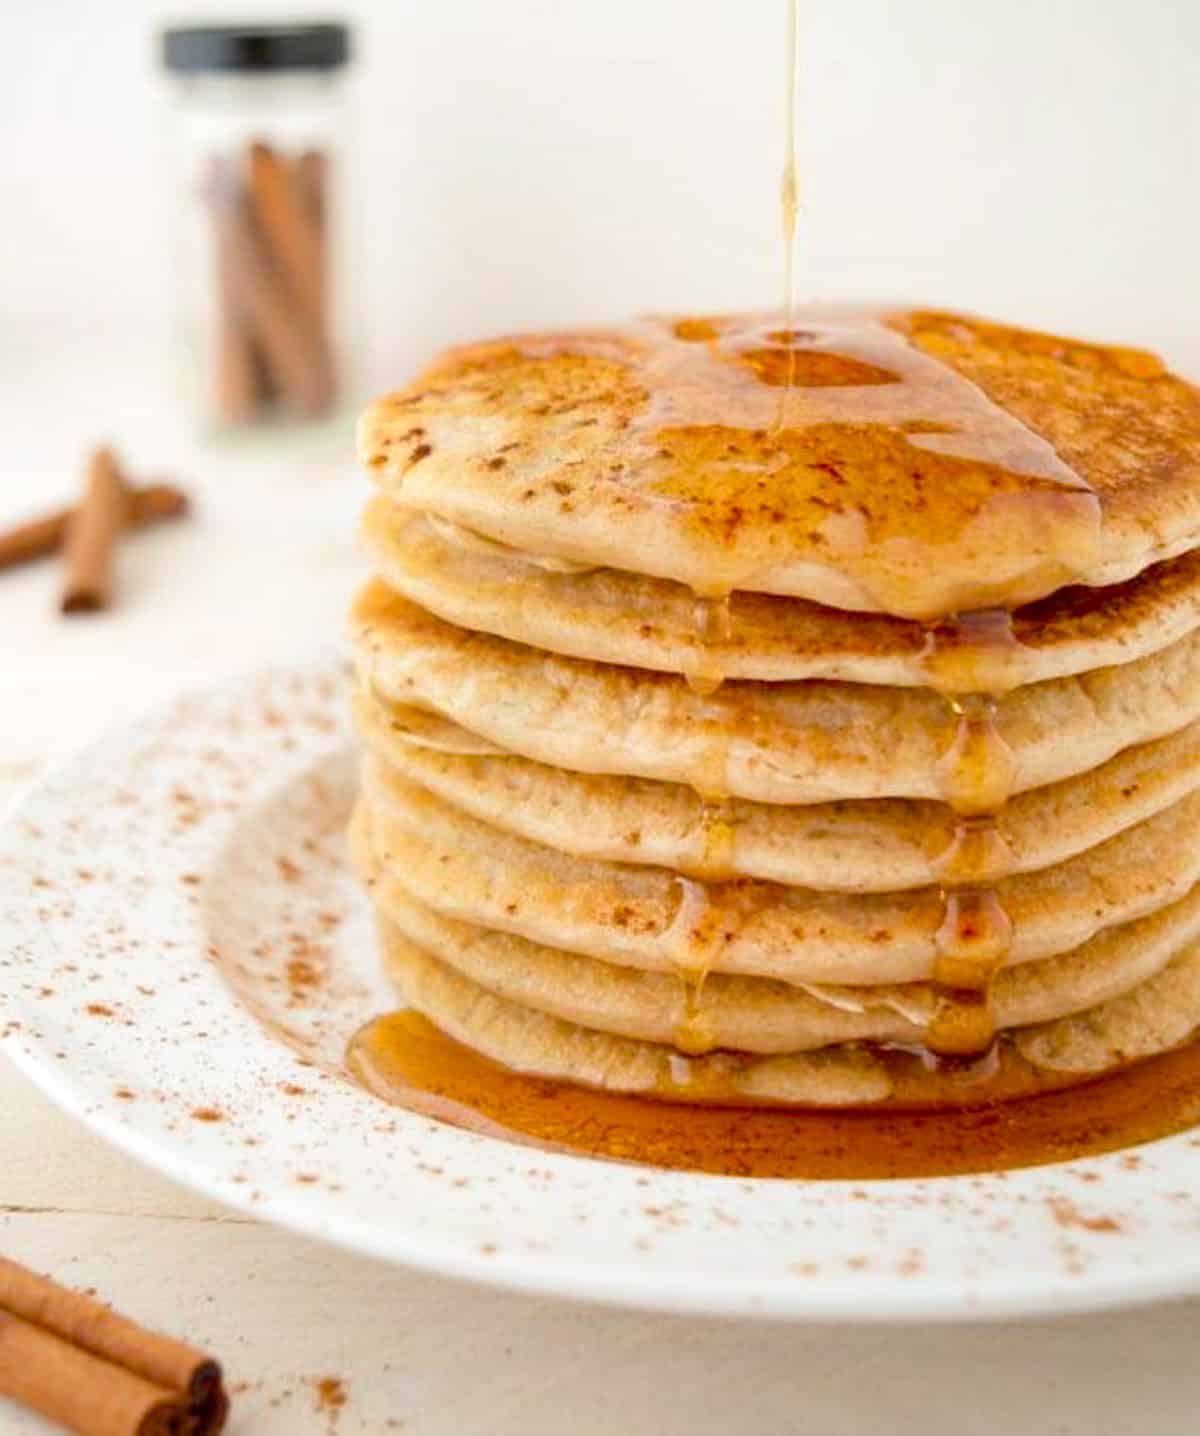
(190, 49)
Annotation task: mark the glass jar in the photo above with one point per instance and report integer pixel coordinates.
(259, 219)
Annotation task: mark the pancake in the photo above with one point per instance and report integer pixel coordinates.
(652, 919)
(409, 729)
(771, 743)
(766, 1017)
(1152, 1018)
(1155, 1017)
(884, 845)
(614, 616)
(923, 464)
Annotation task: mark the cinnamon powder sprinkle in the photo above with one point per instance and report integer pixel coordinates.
(302, 974)
(330, 1393)
(1067, 1215)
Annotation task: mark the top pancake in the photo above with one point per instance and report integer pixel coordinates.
(921, 464)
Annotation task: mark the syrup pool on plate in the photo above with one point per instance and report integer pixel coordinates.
(404, 1059)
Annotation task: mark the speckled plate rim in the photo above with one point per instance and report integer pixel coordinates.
(337, 1165)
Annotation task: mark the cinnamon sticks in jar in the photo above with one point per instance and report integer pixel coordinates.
(260, 130)
(271, 344)
(97, 1373)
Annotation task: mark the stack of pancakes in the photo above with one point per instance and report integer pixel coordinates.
(806, 716)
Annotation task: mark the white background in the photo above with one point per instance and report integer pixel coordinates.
(551, 160)
(524, 163)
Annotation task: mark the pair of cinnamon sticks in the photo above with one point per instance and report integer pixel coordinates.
(272, 341)
(87, 534)
(74, 1360)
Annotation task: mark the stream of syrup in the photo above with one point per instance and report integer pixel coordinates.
(789, 202)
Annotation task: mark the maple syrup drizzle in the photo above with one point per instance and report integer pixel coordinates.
(718, 840)
(713, 631)
(713, 628)
(690, 942)
(849, 370)
(888, 453)
(977, 775)
(404, 1059)
(697, 921)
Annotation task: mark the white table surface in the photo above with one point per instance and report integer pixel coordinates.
(263, 570)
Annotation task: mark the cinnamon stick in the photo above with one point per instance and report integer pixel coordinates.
(284, 325)
(39, 538)
(92, 532)
(287, 226)
(240, 379)
(81, 1392)
(238, 390)
(310, 173)
(102, 1370)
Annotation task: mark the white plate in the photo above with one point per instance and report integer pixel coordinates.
(182, 942)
